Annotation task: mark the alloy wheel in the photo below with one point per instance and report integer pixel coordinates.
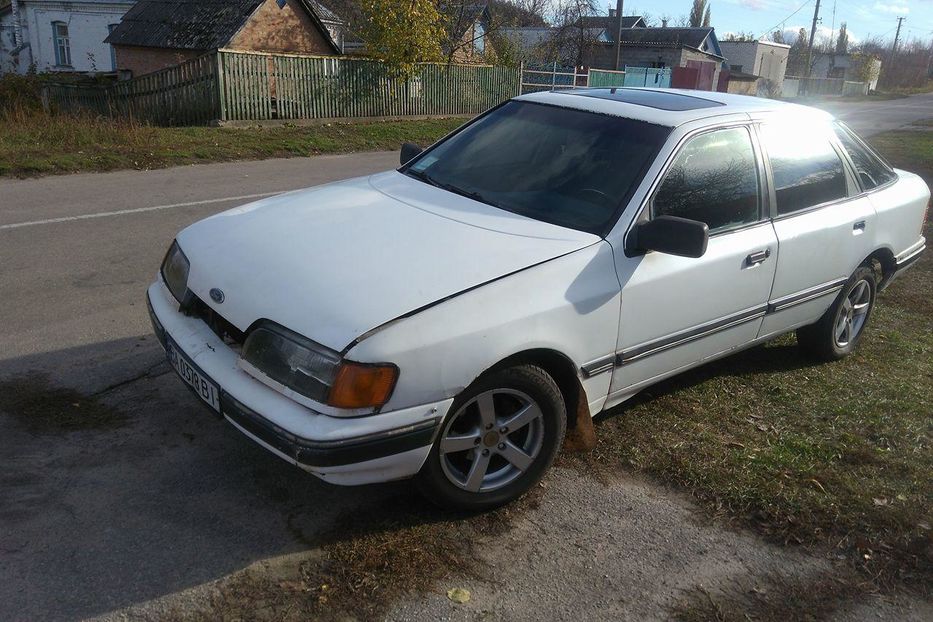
(852, 314)
(491, 440)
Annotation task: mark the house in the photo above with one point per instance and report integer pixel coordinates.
(156, 34)
(59, 36)
(850, 67)
(603, 28)
(658, 48)
(765, 59)
(467, 27)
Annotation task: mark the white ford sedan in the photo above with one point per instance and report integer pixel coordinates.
(452, 319)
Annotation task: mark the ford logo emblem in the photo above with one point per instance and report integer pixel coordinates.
(217, 295)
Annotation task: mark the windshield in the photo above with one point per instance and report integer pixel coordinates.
(567, 167)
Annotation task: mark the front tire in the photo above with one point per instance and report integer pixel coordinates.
(500, 437)
(837, 333)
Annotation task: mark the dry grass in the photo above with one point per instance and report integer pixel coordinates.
(38, 144)
(364, 565)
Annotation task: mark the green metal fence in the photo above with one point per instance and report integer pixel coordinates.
(244, 87)
(604, 78)
(285, 86)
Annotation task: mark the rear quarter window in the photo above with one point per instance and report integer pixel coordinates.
(872, 171)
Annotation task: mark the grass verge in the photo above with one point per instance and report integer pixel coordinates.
(826, 454)
(38, 144)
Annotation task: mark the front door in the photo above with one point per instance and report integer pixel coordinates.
(677, 311)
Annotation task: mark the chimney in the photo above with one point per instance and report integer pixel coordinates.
(664, 23)
(612, 12)
(17, 26)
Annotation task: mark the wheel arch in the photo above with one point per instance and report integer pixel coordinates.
(884, 257)
(580, 433)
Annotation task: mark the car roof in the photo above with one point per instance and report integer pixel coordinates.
(670, 107)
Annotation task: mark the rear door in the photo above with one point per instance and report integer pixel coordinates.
(677, 311)
(824, 225)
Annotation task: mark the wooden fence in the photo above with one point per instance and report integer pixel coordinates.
(181, 95)
(231, 86)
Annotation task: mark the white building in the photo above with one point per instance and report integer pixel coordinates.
(59, 36)
(765, 59)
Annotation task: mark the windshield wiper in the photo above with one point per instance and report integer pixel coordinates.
(470, 194)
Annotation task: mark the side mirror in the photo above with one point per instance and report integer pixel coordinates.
(672, 235)
(409, 151)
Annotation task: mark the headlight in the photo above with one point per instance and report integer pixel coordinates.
(175, 272)
(316, 372)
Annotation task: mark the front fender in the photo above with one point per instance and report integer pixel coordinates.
(569, 304)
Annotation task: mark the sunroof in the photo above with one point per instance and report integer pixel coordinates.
(652, 99)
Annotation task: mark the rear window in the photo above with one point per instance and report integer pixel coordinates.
(806, 168)
(872, 172)
(568, 167)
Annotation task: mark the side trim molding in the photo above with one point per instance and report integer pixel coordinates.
(607, 363)
(692, 334)
(599, 366)
(806, 295)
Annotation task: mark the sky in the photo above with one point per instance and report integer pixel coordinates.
(864, 18)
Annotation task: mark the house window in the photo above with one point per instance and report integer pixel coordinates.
(479, 38)
(113, 50)
(735, 67)
(62, 44)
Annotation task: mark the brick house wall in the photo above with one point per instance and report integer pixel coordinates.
(143, 60)
(467, 53)
(290, 29)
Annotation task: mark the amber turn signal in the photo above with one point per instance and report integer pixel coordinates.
(360, 385)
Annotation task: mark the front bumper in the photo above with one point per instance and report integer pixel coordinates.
(350, 451)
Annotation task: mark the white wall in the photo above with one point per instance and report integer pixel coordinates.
(8, 63)
(87, 22)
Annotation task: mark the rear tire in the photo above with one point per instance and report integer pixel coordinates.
(835, 335)
(500, 437)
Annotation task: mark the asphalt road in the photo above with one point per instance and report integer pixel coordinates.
(872, 117)
(151, 497)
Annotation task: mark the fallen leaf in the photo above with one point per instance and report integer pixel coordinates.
(880, 501)
(458, 595)
(735, 444)
(818, 485)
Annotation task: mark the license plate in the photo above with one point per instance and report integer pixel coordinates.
(205, 389)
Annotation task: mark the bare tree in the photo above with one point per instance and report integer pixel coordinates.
(572, 42)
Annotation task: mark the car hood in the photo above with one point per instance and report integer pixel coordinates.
(336, 261)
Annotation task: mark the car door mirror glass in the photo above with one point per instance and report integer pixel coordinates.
(408, 153)
(672, 235)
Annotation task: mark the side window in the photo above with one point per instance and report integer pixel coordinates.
(872, 172)
(714, 179)
(807, 170)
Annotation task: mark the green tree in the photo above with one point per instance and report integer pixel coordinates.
(699, 14)
(842, 43)
(402, 33)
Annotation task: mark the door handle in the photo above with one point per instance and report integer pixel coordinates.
(859, 226)
(757, 257)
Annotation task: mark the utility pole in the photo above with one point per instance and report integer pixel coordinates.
(816, 18)
(897, 35)
(619, 4)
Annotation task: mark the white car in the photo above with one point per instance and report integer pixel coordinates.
(451, 319)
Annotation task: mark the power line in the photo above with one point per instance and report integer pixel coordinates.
(786, 18)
